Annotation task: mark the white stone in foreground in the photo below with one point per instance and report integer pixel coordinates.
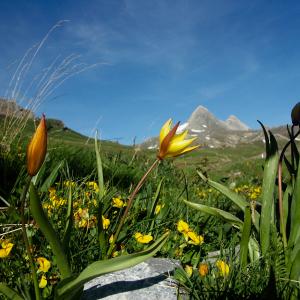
(149, 280)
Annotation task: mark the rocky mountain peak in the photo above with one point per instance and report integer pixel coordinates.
(234, 123)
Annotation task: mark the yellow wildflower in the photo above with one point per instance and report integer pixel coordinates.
(117, 202)
(182, 226)
(6, 248)
(82, 223)
(43, 282)
(223, 267)
(44, 264)
(143, 239)
(172, 144)
(93, 185)
(105, 222)
(37, 148)
(158, 208)
(195, 239)
(203, 269)
(111, 238)
(189, 270)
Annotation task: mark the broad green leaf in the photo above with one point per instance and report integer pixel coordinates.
(239, 200)
(245, 237)
(9, 292)
(228, 217)
(268, 187)
(51, 178)
(295, 212)
(286, 198)
(66, 288)
(49, 233)
(254, 249)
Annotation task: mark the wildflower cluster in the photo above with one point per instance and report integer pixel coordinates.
(250, 191)
(190, 236)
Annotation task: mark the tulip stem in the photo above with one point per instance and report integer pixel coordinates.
(25, 238)
(129, 204)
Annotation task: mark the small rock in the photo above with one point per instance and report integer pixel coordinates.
(149, 280)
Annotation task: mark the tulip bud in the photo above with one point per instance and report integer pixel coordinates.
(296, 114)
(37, 148)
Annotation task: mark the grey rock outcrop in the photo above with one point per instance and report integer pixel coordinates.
(149, 280)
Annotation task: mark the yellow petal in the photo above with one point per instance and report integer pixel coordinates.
(179, 137)
(179, 146)
(43, 282)
(44, 264)
(186, 150)
(165, 130)
(182, 226)
(37, 148)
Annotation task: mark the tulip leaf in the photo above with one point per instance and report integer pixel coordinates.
(235, 222)
(99, 168)
(52, 177)
(69, 222)
(49, 233)
(245, 237)
(268, 187)
(295, 212)
(68, 287)
(9, 292)
(239, 200)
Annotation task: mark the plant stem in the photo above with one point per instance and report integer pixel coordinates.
(129, 204)
(26, 241)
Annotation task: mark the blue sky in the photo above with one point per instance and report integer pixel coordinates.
(146, 61)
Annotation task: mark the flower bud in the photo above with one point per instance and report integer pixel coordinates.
(296, 114)
(37, 148)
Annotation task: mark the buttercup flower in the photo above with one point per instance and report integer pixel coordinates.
(117, 202)
(43, 282)
(158, 208)
(223, 267)
(195, 238)
(37, 148)
(183, 227)
(203, 269)
(189, 270)
(44, 264)
(6, 248)
(172, 144)
(105, 222)
(143, 239)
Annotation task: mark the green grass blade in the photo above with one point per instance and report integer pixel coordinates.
(69, 222)
(98, 268)
(99, 169)
(268, 187)
(51, 178)
(9, 292)
(245, 237)
(228, 217)
(49, 233)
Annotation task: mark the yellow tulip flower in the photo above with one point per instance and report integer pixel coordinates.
(172, 144)
(44, 264)
(37, 148)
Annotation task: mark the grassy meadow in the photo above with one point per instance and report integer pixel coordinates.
(208, 200)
